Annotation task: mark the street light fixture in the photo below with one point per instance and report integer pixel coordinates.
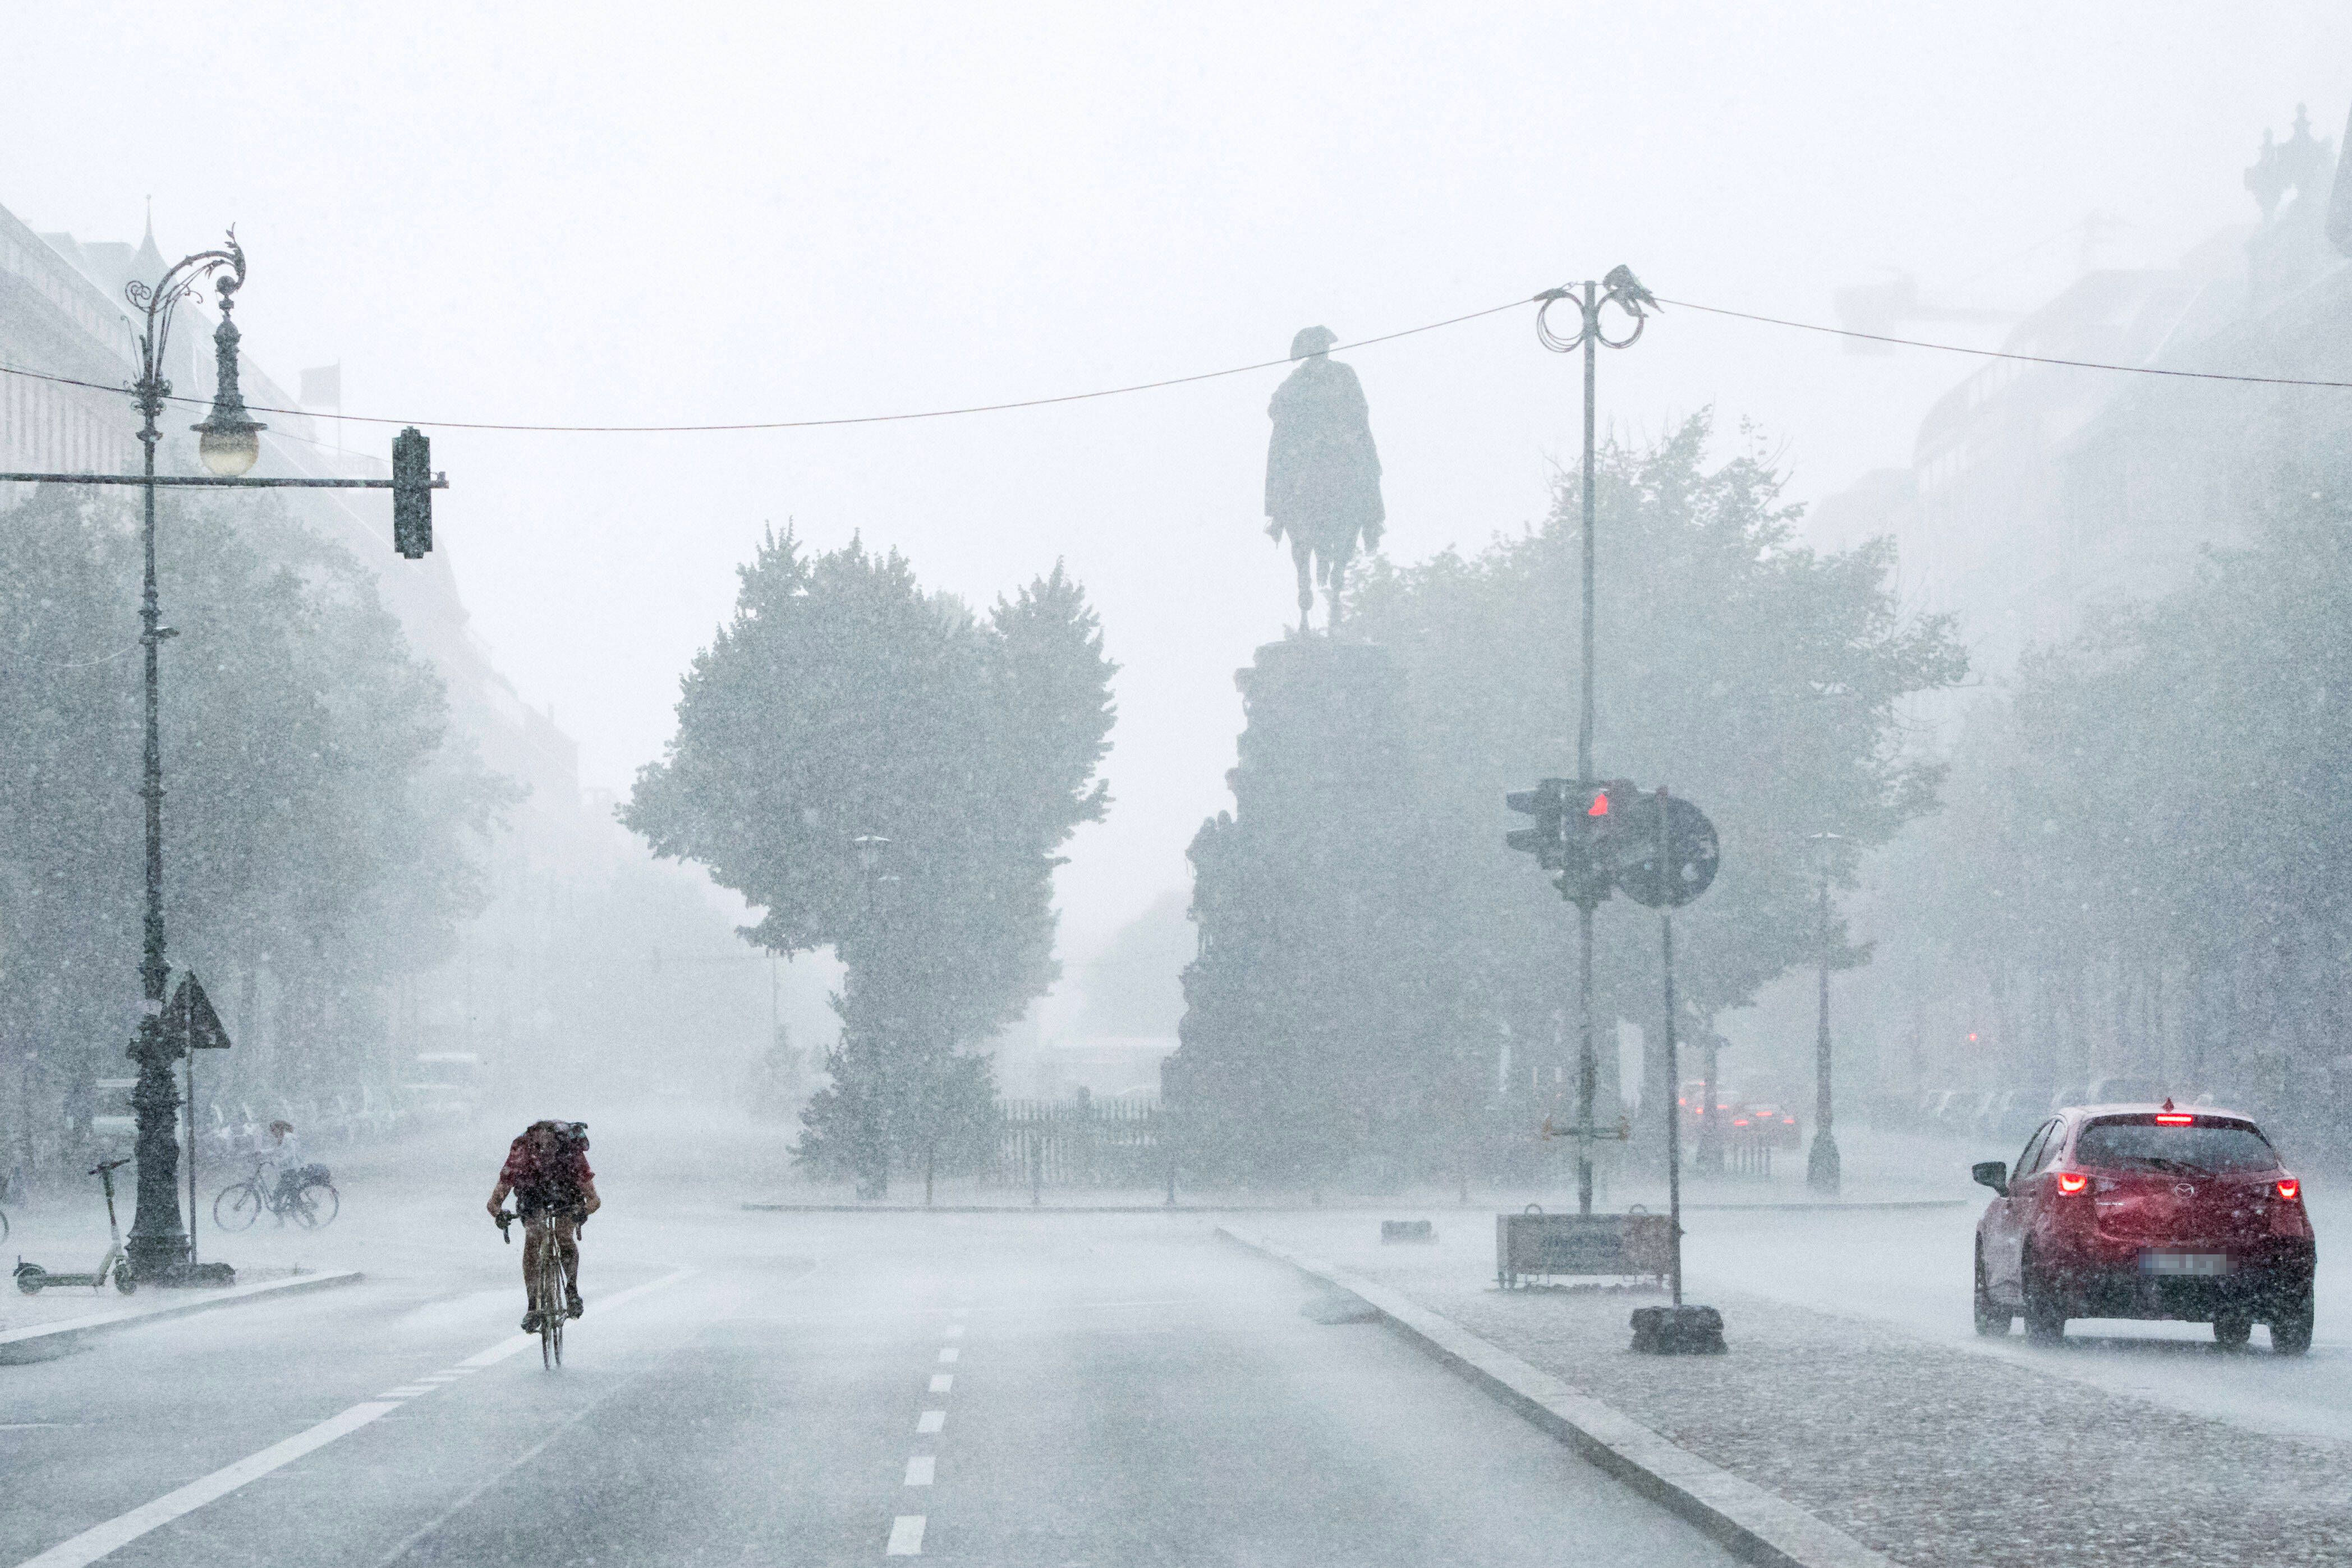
(229, 440)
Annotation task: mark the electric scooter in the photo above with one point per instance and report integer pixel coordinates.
(31, 1277)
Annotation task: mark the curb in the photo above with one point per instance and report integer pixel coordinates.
(37, 1344)
(1880, 1205)
(1756, 1525)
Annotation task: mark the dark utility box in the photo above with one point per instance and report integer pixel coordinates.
(1408, 1231)
(1679, 1331)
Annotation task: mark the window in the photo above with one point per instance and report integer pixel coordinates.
(2032, 1147)
(2202, 1148)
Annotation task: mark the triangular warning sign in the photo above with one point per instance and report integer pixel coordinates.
(193, 1022)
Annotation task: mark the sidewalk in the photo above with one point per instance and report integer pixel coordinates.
(1932, 1455)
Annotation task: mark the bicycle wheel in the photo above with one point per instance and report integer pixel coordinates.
(3, 1226)
(244, 1207)
(550, 1277)
(316, 1204)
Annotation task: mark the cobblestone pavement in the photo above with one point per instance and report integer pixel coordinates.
(1932, 1454)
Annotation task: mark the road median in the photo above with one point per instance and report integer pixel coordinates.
(1761, 1526)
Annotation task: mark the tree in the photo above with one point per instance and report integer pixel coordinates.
(2144, 854)
(844, 702)
(318, 815)
(1753, 675)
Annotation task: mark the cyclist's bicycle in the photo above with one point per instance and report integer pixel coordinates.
(543, 1262)
(304, 1196)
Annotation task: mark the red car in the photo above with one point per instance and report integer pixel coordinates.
(2145, 1212)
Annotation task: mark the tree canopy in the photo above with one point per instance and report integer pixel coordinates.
(317, 815)
(844, 702)
(1755, 677)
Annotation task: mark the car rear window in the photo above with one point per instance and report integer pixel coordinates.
(2140, 1143)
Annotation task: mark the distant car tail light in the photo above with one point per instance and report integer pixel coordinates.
(2290, 1189)
(2072, 1181)
(1740, 1120)
(2174, 1119)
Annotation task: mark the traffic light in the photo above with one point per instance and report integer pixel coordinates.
(1576, 832)
(411, 494)
(1547, 840)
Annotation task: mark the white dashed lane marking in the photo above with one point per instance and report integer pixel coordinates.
(920, 1470)
(906, 1536)
(102, 1540)
(943, 1381)
(931, 1421)
(950, 1355)
(955, 1330)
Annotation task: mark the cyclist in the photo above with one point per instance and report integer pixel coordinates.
(554, 1192)
(281, 1146)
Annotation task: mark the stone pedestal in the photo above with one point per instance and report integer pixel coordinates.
(1300, 1047)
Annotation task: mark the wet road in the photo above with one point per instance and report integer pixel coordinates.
(773, 1388)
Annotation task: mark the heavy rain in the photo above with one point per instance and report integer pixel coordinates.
(1231, 785)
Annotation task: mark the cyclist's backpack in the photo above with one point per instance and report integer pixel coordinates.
(313, 1173)
(572, 1136)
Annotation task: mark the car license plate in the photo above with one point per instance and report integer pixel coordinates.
(2184, 1262)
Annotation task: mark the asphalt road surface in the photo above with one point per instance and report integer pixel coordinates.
(772, 1388)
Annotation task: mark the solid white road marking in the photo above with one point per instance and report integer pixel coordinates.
(906, 1536)
(920, 1469)
(955, 1330)
(101, 1539)
(943, 1381)
(950, 1354)
(931, 1421)
(410, 1392)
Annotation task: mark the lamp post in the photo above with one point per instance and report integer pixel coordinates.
(1623, 290)
(875, 1180)
(1822, 1161)
(228, 444)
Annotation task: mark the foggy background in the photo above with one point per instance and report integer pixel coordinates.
(588, 214)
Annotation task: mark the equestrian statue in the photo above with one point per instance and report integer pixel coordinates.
(1322, 473)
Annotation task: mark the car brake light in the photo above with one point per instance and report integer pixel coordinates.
(2175, 1119)
(2072, 1181)
(2290, 1189)
(1740, 1120)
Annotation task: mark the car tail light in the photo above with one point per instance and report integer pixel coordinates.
(2290, 1189)
(2072, 1181)
(1740, 1120)
(2174, 1119)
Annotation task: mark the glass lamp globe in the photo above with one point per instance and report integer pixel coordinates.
(228, 449)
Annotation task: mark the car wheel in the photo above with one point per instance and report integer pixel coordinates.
(2232, 1331)
(2291, 1329)
(2045, 1315)
(1993, 1321)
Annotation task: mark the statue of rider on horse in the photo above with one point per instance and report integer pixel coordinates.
(1322, 473)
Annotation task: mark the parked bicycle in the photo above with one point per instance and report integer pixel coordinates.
(303, 1194)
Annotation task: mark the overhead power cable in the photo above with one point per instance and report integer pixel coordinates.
(804, 423)
(2008, 354)
(750, 426)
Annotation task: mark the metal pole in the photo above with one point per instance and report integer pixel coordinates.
(158, 1244)
(188, 1046)
(1587, 1068)
(1674, 1118)
(1822, 1171)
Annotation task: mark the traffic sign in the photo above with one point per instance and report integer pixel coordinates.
(1670, 879)
(191, 1021)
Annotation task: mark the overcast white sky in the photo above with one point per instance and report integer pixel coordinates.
(701, 213)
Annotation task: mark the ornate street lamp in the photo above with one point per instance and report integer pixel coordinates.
(158, 1244)
(228, 444)
(1623, 290)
